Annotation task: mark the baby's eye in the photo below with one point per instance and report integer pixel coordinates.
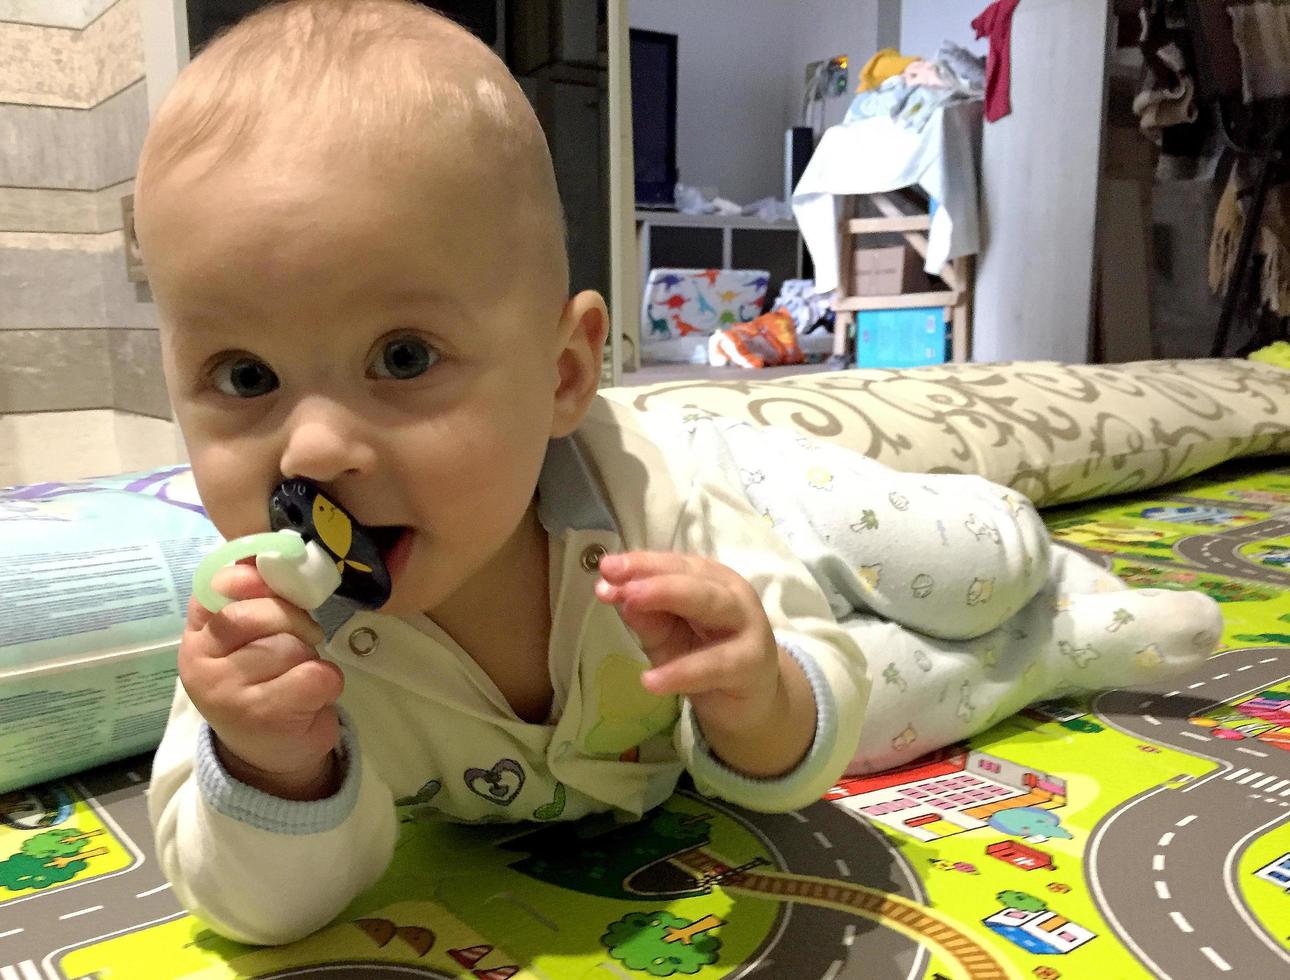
(403, 358)
(244, 377)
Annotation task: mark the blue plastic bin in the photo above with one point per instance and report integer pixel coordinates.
(901, 338)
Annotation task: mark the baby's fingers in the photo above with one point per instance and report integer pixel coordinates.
(241, 623)
(241, 580)
(659, 633)
(265, 659)
(707, 606)
(634, 565)
(716, 668)
(303, 690)
(228, 684)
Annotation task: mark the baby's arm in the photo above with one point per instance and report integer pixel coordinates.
(718, 524)
(260, 869)
(702, 626)
(270, 827)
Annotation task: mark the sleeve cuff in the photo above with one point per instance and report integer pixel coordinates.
(238, 801)
(714, 777)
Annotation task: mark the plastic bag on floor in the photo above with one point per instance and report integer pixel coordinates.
(766, 341)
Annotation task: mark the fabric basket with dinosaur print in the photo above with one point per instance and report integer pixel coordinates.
(681, 308)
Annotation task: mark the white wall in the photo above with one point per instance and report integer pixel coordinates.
(1040, 171)
(740, 78)
(824, 28)
(75, 445)
(924, 24)
(730, 105)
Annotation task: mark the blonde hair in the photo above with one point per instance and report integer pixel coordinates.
(388, 78)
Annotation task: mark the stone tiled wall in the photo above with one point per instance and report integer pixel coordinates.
(79, 353)
(60, 66)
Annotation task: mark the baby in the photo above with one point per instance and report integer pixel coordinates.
(352, 231)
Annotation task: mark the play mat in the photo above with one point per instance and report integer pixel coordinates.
(1135, 833)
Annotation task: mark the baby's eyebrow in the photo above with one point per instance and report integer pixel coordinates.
(212, 314)
(205, 320)
(417, 293)
(423, 296)
(448, 309)
(196, 333)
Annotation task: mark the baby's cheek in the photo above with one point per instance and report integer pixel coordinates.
(233, 501)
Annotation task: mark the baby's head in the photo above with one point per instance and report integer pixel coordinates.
(351, 227)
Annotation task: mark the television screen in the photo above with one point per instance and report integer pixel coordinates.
(653, 61)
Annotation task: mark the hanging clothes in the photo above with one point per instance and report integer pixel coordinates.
(1168, 94)
(1271, 247)
(1262, 35)
(1168, 110)
(886, 64)
(995, 22)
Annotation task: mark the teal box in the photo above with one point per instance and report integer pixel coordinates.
(900, 338)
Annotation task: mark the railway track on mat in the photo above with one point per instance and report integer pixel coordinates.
(977, 961)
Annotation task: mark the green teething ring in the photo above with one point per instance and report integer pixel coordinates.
(288, 544)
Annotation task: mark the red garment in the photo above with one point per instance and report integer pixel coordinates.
(995, 22)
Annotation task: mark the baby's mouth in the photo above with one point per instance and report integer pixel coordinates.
(387, 539)
(394, 543)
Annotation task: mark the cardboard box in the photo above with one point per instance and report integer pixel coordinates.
(900, 338)
(887, 271)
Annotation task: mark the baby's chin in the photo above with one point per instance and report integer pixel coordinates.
(405, 602)
(420, 581)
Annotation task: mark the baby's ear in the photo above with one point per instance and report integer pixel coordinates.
(584, 326)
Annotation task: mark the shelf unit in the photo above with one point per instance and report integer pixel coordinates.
(893, 219)
(776, 246)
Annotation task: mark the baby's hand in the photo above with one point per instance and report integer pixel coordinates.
(703, 628)
(252, 671)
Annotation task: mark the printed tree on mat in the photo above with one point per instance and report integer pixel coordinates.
(598, 857)
(61, 844)
(662, 944)
(1021, 900)
(1276, 637)
(48, 858)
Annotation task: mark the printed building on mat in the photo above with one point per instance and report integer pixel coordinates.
(1043, 932)
(1277, 872)
(948, 792)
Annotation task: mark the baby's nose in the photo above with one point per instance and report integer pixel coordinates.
(324, 441)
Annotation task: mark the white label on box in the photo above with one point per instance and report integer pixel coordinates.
(53, 722)
(97, 565)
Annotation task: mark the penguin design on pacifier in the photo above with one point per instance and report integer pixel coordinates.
(315, 550)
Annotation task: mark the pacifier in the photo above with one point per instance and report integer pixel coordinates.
(315, 550)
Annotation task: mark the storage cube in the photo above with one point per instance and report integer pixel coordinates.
(682, 307)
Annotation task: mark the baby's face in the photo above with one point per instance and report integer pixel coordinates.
(373, 332)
